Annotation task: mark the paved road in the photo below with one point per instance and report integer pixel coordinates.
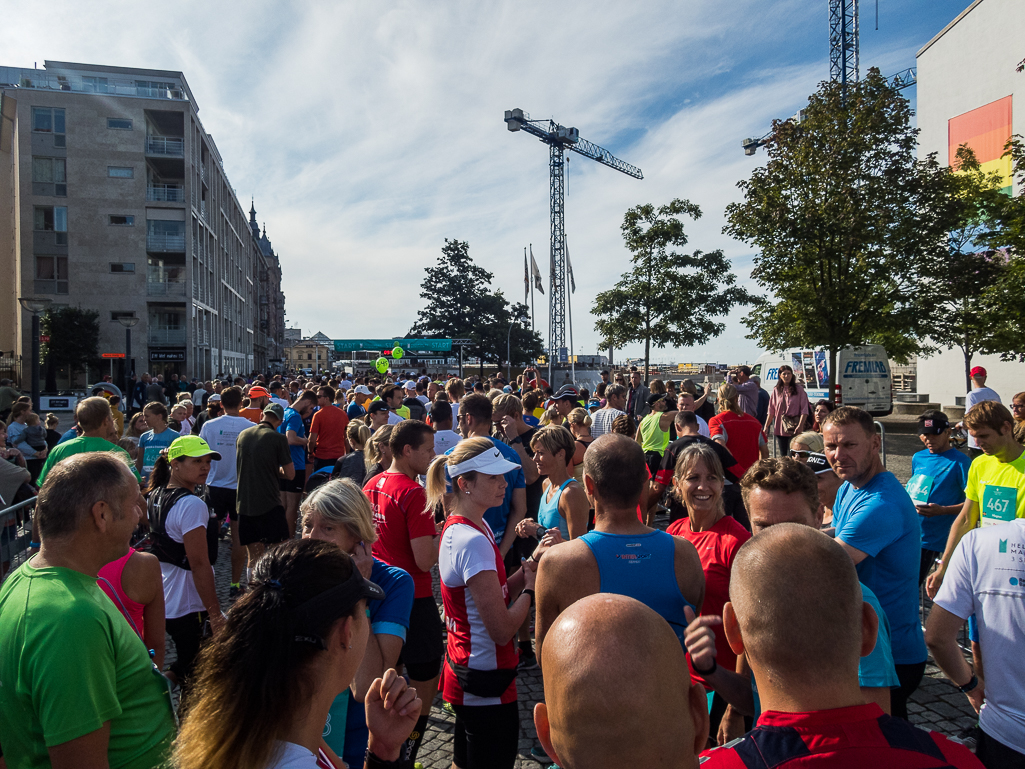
(937, 705)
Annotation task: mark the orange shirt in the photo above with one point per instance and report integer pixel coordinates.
(329, 424)
(254, 415)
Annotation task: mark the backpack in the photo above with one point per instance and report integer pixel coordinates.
(158, 506)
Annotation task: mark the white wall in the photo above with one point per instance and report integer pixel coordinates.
(969, 65)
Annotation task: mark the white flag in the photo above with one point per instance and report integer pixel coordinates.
(536, 272)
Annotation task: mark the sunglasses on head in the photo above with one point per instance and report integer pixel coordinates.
(798, 454)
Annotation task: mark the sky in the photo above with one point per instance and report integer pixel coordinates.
(368, 133)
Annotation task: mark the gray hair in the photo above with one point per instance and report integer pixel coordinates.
(77, 483)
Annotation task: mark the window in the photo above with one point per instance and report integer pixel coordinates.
(120, 172)
(52, 274)
(122, 267)
(51, 171)
(52, 219)
(153, 88)
(49, 121)
(94, 84)
(121, 124)
(121, 220)
(118, 314)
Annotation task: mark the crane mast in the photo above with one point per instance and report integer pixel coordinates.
(560, 139)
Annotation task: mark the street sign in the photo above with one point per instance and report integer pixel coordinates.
(462, 341)
(44, 338)
(113, 355)
(432, 345)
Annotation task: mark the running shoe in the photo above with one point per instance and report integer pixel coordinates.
(527, 661)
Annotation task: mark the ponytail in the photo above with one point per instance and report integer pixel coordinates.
(160, 475)
(437, 485)
(436, 481)
(358, 435)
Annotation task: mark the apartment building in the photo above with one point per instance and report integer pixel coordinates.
(114, 198)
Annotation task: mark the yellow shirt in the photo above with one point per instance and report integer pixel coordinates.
(998, 488)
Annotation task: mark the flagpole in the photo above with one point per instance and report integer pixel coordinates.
(532, 287)
(569, 310)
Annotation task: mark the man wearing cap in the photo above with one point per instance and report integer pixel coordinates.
(258, 400)
(412, 403)
(262, 458)
(565, 400)
(358, 407)
(327, 430)
(293, 427)
(221, 434)
(79, 688)
(939, 475)
(277, 390)
(978, 394)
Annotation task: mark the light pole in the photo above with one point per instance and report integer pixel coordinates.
(35, 305)
(128, 323)
(508, 348)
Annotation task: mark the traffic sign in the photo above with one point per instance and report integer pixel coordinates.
(113, 355)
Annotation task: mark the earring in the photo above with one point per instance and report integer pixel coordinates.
(466, 492)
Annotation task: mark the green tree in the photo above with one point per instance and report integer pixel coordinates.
(964, 308)
(667, 297)
(74, 341)
(846, 220)
(461, 304)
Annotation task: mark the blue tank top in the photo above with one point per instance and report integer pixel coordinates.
(642, 567)
(548, 512)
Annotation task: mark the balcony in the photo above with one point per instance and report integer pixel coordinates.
(165, 146)
(43, 80)
(166, 193)
(165, 242)
(166, 336)
(173, 288)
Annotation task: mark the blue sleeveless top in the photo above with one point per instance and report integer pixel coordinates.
(548, 512)
(642, 567)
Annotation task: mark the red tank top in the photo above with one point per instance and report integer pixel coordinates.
(109, 580)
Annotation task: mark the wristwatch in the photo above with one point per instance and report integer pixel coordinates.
(517, 439)
(530, 592)
(970, 686)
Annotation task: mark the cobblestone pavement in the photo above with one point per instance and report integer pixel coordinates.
(937, 705)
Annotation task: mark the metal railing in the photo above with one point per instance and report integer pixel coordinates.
(165, 145)
(43, 80)
(15, 535)
(166, 336)
(162, 241)
(166, 193)
(165, 288)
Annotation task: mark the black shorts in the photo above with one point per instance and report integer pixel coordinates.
(424, 647)
(654, 462)
(522, 547)
(486, 735)
(296, 485)
(269, 528)
(222, 501)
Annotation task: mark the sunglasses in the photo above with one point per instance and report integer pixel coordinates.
(796, 454)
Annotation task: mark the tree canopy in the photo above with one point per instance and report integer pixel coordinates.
(461, 303)
(847, 220)
(667, 297)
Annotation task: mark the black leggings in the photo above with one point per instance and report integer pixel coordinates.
(910, 676)
(186, 632)
(487, 736)
(994, 754)
(783, 444)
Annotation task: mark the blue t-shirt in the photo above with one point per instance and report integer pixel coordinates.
(72, 433)
(531, 420)
(945, 477)
(355, 411)
(151, 444)
(880, 520)
(294, 422)
(514, 479)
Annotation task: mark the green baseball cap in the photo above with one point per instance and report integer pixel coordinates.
(190, 446)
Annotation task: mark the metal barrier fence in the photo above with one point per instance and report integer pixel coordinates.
(15, 535)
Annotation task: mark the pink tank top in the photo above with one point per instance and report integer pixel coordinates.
(109, 580)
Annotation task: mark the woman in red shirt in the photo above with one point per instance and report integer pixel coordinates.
(741, 433)
(698, 483)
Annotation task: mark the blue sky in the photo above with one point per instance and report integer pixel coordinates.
(369, 132)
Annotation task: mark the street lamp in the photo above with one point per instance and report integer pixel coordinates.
(508, 348)
(35, 305)
(128, 322)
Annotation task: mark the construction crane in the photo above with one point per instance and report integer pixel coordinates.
(844, 60)
(559, 139)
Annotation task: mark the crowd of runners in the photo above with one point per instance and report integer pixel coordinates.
(774, 623)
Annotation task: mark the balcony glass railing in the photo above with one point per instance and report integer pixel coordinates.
(166, 193)
(19, 77)
(168, 146)
(165, 288)
(160, 241)
(166, 336)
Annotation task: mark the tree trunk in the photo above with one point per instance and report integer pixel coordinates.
(647, 352)
(610, 356)
(968, 355)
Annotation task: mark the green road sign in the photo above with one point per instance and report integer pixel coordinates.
(417, 345)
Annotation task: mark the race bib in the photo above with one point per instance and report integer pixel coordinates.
(149, 458)
(999, 505)
(919, 488)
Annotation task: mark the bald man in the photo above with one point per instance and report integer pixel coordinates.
(611, 643)
(785, 491)
(621, 555)
(796, 611)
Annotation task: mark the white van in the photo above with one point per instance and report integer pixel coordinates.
(863, 375)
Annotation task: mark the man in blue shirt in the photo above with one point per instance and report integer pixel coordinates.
(294, 430)
(877, 525)
(939, 475)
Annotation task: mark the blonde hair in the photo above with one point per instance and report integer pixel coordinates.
(727, 399)
(812, 440)
(372, 452)
(551, 417)
(52, 420)
(579, 417)
(506, 404)
(455, 387)
(358, 435)
(342, 502)
(464, 450)
(182, 397)
(553, 439)
(690, 456)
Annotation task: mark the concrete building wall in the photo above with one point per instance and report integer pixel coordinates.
(969, 64)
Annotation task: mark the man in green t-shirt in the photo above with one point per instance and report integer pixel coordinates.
(97, 423)
(995, 492)
(77, 686)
